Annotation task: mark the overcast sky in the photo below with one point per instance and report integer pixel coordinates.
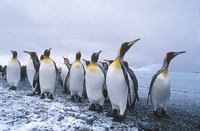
(92, 25)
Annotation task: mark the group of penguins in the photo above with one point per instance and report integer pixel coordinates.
(110, 80)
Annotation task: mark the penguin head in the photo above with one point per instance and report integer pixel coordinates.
(104, 64)
(65, 59)
(95, 56)
(125, 47)
(32, 54)
(41, 57)
(87, 62)
(78, 55)
(47, 52)
(109, 61)
(14, 53)
(170, 55)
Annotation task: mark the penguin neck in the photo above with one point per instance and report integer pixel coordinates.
(165, 67)
(14, 58)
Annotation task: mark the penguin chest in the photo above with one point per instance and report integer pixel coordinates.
(47, 76)
(64, 72)
(30, 71)
(13, 72)
(76, 78)
(161, 90)
(94, 83)
(116, 85)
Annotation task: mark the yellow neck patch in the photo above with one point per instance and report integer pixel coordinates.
(13, 61)
(117, 64)
(165, 73)
(46, 60)
(92, 67)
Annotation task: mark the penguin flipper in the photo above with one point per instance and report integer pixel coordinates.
(135, 82)
(125, 72)
(59, 78)
(152, 82)
(105, 94)
(66, 88)
(36, 79)
(36, 63)
(84, 84)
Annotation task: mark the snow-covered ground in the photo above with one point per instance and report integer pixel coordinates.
(21, 112)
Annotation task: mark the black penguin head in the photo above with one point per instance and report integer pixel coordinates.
(65, 59)
(125, 47)
(87, 62)
(14, 53)
(47, 52)
(41, 57)
(32, 54)
(104, 64)
(109, 61)
(95, 56)
(170, 55)
(78, 55)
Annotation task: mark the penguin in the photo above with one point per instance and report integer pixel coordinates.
(48, 72)
(87, 62)
(77, 78)
(159, 91)
(118, 84)
(64, 71)
(95, 80)
(32, 68)
(13, 72)
(133, 86)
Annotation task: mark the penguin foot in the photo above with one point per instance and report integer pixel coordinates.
(13, 88)
(92, 107)
(165, 115)
(118, 118)
(31, 94)
(156, 114)
(43, 96)
(99, 109)
(72, 98)
(50, 96)
(79, 99)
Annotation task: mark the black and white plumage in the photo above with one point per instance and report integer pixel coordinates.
(95, 81)
(159, 91)
(76, 78)
(118, 84)
(32, 69)
(13, 71)
(48, 73)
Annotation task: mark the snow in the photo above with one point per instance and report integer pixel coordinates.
(24, 113)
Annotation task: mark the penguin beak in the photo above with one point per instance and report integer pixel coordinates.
(99, 52)
(132, 42)
(27, 52)
(178, 53)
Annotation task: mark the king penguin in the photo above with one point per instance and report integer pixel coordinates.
(13, 71)
(64, 71)
(32, 68)
(77, 79)
(95, 81)
(117, 82)
(48, 73)
(159, 91)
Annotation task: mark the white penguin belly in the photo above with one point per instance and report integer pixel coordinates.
(13, 73)
(94, 86)
(160, 91)
(30, 72)
(47, 77)
(76, 79)
(64, 72)
(117, 88)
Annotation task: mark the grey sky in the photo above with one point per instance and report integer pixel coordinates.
(90, 25)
